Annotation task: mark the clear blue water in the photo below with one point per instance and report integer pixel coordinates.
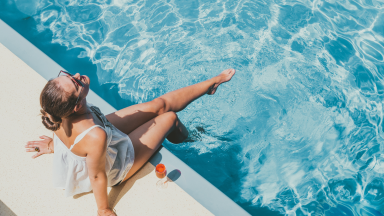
(298, 130)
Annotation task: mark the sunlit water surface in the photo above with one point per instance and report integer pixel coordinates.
(298, 130)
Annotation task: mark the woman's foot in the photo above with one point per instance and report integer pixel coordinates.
(223, 77)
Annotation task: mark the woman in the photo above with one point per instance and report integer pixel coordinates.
(93, 151)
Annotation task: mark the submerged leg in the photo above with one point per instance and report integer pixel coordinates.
(179, 134)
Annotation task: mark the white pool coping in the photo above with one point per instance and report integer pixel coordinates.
(191, 182)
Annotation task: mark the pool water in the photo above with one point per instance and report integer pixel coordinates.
(299, 128)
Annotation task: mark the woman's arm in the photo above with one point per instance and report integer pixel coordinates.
(96, 159)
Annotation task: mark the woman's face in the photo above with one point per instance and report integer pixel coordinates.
(67, 83)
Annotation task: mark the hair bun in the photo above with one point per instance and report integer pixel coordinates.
(49, 121)
(56, 103)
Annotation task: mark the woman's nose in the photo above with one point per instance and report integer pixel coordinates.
(76, 76)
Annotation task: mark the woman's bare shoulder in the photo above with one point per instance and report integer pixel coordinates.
(95, 140)
(96, 133)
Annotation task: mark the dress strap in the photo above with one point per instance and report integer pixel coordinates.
(102, 117)
(82, 135)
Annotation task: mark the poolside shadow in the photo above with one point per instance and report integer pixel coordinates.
(174, 175)
(77, 196)
(119, 191)
(5, 211)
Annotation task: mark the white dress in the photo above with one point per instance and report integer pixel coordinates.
(70, 171)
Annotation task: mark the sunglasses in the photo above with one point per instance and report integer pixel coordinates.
(76, 81)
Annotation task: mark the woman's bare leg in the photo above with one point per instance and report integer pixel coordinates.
(177, 100)
(130, 118)
(147, 138)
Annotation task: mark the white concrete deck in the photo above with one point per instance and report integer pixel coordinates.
(26, 183)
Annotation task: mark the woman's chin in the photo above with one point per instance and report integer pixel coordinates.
(87, 80)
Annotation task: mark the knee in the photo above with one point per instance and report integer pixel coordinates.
(160, 105)
(171, 117)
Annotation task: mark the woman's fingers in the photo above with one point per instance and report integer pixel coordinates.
(36, 142)
(30, 149)
(31, 144)
(44, 137)
(37, 155)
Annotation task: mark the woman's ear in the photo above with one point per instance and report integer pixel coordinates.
(78, 107)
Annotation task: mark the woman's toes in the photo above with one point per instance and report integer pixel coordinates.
(231, 71)
(228, 74)
(224, 76)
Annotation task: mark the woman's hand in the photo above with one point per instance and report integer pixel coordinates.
(45, 146)
(106, 212)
